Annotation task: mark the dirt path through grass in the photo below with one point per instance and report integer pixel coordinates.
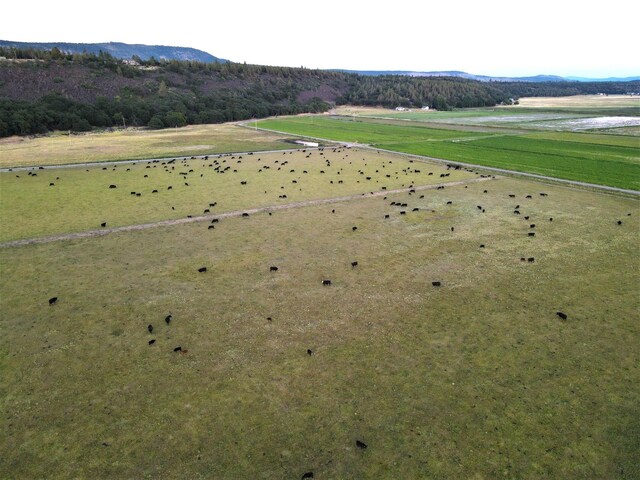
(236, 213)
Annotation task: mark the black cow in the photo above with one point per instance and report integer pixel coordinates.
(436, 284)
(563, 316)
(53, 300)
(168, 319)
(360, 444)
(273, 269)
(151, 342)
(619, 222)
(154, 191)
(354, 264)
(177, 349)
(531, 259)
(532, 234)
(482, 245)
(307, 475)
(533, 225)
(415, 209)
(113, 186)
(309, 352)
(150, 328)
(245, 214)
(353, 229)
(202, 269)
(386, 216)
(103, 224)
(211, 227)
(326, 282)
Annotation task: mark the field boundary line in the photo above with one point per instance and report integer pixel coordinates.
(234, 213)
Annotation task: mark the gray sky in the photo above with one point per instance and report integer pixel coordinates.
(490, 37)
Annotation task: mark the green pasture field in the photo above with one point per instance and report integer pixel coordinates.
(81, 199)
(478, 378)
(605, 159)
(134, 144)
(343, 129)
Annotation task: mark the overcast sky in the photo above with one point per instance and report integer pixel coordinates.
(490, 37)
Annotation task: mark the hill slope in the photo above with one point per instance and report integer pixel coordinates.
(50, 90)
(121, 50)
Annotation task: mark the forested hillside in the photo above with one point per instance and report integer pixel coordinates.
(42, 91)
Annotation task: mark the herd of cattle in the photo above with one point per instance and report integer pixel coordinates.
(222, 164)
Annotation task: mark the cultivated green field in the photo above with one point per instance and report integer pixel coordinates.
(601, 159)
(477, 378)
(134, 144)
(80, 198)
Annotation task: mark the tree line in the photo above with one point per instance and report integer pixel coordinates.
(158, 93)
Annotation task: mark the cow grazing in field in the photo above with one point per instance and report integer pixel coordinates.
(517, 212)
(151, 342)
(416, 209)
(243, 182)
(202, 269)
(449, 202)
(113, 186)
(528, 196)
(479, 207)
(361, 445)
(326, 282)
(531, 259)
(53, 300)
(154, 191)
(353, 229)
(532, 234)
(309, 352)
(306, 475)
(563, 316)
(103, 224)
(619, 222)
(402, 212)
(533, 225)
(387, 215)
(177, 349)
(452, 228)
(52, 184)
(551, 219)
(150, 328)
(206, 210)
(211, 227)
(436, 284)
(543, 194)
(273, 269)
(245, 214)
(215, 220)
(526, 217)
(354, 264)
(482, 245)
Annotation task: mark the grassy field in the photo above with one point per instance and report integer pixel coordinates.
(81, 199)
(134, 144)
(478, 378)
(605, 159)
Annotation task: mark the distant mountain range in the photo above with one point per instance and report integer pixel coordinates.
(122, 50)
(486, 78)
(161, 52)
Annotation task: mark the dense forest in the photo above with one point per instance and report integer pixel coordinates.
(45, 90)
